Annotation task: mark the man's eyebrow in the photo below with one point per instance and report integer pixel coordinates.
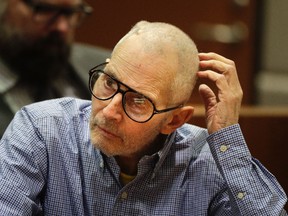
(114, 76)
(111, 73)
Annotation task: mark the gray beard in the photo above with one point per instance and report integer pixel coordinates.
(154, 143)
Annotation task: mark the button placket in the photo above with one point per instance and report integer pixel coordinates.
(124, 195)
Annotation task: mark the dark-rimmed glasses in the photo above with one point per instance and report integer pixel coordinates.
(48, 13)
(137, 107)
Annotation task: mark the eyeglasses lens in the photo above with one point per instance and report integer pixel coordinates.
(135, 105)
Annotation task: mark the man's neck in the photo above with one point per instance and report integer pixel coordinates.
(129, 164)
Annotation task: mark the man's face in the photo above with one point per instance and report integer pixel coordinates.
(21, 36)
(112, 131)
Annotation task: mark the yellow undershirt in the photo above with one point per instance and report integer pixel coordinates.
(125, 179)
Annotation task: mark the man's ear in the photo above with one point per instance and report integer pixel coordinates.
(177, 119)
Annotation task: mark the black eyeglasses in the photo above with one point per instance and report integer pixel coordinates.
(137, 107)
(48, 13)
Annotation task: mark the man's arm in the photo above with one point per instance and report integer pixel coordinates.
(252, 189)
(22, 165)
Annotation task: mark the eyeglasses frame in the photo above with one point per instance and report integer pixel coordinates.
(84, 7)
(129, 89)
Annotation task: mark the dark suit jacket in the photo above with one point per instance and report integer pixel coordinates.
(83, 58)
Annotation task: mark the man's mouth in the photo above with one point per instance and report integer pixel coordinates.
(107, 133)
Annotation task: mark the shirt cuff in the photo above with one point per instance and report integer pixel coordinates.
(229, 144)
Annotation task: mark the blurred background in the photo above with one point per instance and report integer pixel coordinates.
(253, 33)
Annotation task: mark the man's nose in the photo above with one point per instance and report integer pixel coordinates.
(114, 109)
(62, 24)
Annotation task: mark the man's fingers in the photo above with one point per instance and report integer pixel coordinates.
(219, 79)
(222, 106)
(208, 96)
(214, 56)
(214, 63)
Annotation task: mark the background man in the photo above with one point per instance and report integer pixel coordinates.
(36, 38)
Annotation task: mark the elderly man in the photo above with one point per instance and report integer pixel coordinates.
(35, 42)
(129, 151)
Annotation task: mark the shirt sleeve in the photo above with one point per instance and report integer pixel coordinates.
(22, 168)
(252, 189)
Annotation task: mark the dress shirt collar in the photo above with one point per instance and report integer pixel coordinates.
(148, 162)
(162, 154)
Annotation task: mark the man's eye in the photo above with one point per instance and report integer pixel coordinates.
(110, 83)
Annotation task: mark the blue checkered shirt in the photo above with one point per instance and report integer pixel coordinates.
(49, 167)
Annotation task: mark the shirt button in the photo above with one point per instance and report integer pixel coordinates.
(124, 195)
(240, 195)
(223, 148)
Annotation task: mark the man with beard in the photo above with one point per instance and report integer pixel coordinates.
(129, 151)
(36, 38)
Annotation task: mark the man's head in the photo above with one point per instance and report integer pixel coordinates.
(158, 61)
(36, 34)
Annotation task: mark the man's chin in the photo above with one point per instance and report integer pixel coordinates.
(104, 150)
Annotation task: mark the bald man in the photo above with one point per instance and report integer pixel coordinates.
(129, 151)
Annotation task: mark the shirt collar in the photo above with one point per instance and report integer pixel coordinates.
(156, 160)
(162, 154)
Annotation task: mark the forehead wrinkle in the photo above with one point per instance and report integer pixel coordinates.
(148, 84)
(149, 62)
